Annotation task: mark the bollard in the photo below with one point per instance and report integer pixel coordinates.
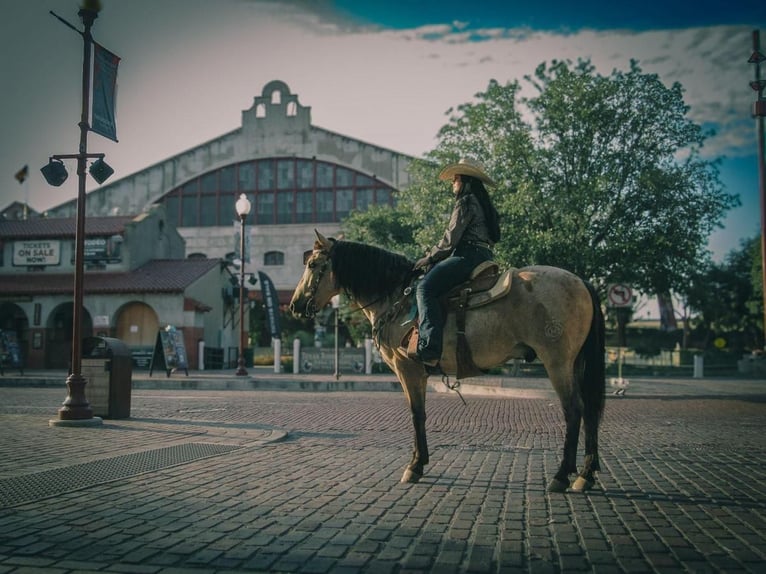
(277, 355)
(296, 356)
(368, 356)
(699, 366)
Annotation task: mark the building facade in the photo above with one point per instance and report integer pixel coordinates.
(297, 176)
(175, 228)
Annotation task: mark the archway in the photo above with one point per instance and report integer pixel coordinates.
(136, 324)
(58, 347)
(14, 320)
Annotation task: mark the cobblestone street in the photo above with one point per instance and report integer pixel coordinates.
(282, 481)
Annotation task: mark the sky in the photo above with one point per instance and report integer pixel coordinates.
(382, 72)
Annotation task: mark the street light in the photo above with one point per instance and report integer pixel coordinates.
(76, 410)
(759, 113)
(243, 208)
(336, 307)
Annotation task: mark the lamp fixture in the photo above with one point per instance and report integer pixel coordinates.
(100, 170)
(54, 172)
(242, 206)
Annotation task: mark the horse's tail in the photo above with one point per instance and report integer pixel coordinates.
(593, 385)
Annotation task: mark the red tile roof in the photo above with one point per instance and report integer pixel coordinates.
(61, 227)
(159, 276)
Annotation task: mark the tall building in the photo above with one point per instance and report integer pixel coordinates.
(297, 176)
(162, 242)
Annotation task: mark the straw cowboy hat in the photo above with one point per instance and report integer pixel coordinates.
(466, 166)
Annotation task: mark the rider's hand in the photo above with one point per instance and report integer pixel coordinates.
(422, 263)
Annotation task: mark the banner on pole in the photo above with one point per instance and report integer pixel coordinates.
(271, 301)
(104, 92)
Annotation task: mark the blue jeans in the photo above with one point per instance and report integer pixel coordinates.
(442, 277)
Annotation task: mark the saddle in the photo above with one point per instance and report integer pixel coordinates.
(485, 284)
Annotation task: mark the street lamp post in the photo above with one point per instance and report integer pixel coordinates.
(243, 208)
(76, 409)
(759, 112)
(336, 307)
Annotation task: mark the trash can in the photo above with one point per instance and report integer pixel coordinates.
(107, 366)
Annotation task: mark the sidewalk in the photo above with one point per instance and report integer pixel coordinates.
(208, 477)
(264, 378)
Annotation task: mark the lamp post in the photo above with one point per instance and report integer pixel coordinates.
(243, 208)
(336, 307)
(76, 410)
(759, 112)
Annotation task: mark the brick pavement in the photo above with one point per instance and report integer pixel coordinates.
(197, 481)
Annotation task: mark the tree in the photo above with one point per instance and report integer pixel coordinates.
(598, 174)
(726, 296)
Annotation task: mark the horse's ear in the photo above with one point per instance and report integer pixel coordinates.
(322, 242)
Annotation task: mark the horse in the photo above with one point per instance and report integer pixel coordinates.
(549, 313)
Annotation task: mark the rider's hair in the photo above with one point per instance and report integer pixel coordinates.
(476, 187)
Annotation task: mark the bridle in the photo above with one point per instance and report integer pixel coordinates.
(316, 279)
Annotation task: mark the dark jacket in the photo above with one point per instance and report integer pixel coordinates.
(467, 224)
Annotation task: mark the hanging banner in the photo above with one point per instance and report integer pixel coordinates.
(271, 300)
(104, 92)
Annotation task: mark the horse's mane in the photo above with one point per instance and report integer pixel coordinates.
(367, 272)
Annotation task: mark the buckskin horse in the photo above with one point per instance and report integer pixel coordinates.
(547, 312)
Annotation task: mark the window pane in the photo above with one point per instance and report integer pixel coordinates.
(247, 177)
(189, 215)
(324, 206)
(171, 210)
(364, 199)
(384, 196)
(304, 208)
(324, 175)
(273, 258)
(285, 207)
(344, 202)
(209, 210)
(305, 174)
(343, 177)
(265, 205)
(226, 179)
(286, 179)
(265, 174)
(210, 182)
(362, 179)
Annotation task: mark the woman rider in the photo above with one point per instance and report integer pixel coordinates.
(472, 231)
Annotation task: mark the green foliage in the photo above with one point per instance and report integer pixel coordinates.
(729, 298)
(598, 174)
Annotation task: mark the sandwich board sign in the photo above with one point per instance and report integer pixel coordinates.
(169, 352)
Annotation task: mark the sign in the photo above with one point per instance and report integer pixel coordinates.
(271, 301)
(169, 352)
(619, 295)
(36, 253)
(104, 92)
(102, 249)
(10, 352)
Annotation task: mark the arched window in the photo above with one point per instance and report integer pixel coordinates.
(292, 109)
(260, 111)
(276, 97)
(282, 190)
(273, 258)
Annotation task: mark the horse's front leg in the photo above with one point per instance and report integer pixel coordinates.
(416, 396)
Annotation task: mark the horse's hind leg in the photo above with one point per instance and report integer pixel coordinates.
(587, 477)
(416, 396)
(564, 382)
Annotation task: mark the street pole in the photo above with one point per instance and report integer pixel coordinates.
(759, 112)
(336, 307)
(76, 406)
(243, 208)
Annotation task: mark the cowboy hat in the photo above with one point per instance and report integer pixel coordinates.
(466, 166)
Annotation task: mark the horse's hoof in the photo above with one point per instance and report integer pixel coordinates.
(410, 476)
(557, 485)
(582, 484)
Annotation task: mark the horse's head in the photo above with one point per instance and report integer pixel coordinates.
(317, 285)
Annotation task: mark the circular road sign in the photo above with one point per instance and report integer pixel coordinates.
(619, 295)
